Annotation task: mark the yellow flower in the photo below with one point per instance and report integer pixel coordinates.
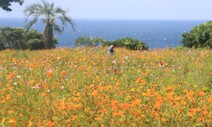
(3, 120)
(30, 124)
(31, 82)
(12, 120)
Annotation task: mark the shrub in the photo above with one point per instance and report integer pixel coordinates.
(199, 37)
(2, 46)
(12, 38)
(35, 44)
(89, 41)
(129, 43)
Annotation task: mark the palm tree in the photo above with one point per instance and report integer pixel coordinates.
(50, 15)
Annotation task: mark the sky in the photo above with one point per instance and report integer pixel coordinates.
(126, 9)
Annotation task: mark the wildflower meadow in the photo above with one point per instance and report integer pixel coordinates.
(88, 87)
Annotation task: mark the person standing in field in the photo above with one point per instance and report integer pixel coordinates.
(111, 50)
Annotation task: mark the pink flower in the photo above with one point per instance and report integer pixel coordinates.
(38, 86)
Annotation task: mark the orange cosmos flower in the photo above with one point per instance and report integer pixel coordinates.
(95, 93)
(7, 96)
(104, 110)
(8, 77)
(201, 93)
(63, 73)
(156, 105)
(10, 112)
(49, 73)
(80, 68)
(169, 88)
(135, 102)
(140, 80)
(74, 117)
(190, 93)
(124, 105)
(192, 112)
(20, 94)
(119, 113)
(209, 100)
(13, 74)
(183, 102)
(3, 101)
(50, 124)
(156, 114)
(43, 94)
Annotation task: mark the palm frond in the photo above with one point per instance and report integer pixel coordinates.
(68, 19)
(57, 28)
(31, 23)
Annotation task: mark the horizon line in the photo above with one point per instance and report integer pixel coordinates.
(120, 19)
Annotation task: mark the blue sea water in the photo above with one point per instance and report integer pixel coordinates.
(155, 33)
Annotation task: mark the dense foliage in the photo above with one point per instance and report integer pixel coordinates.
(199, 37)
(5, 4)
(88, 88)
(89, 41)
(17, 38)
(12, 38)
(53, 17)
(129, 43)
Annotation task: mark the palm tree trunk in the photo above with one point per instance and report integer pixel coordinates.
(48, 36)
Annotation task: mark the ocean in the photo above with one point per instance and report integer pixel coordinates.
(155, 33)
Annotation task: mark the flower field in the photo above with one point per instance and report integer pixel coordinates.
(87, 87)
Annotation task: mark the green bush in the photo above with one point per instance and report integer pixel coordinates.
(89, 41)
(12, 38)
(199, 37)
(17, 38)
(35, 44)
(129, 43)
(2, 47)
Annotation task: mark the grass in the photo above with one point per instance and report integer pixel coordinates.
(87, 87)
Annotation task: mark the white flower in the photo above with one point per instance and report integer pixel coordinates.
(114, 61)
(47, 91)
(18, 76)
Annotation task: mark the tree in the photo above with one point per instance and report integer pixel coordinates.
(12, 38)
(89, 41)
(50, 15)
(17, 38)
(4, 4)
(199, 37)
